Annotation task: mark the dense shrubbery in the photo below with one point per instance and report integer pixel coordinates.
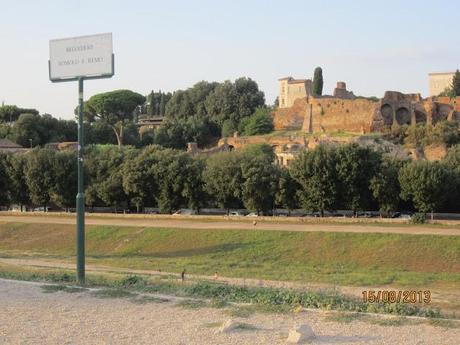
(326, 179)
(420, 135)
(221, 105)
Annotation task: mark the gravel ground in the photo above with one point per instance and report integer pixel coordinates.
(196, 223)
(30, 316)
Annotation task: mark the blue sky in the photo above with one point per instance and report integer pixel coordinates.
(372, 45)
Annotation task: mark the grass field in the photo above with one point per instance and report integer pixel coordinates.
(336, 258)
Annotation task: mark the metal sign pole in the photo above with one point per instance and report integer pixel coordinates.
(81, 192)
(77, 59)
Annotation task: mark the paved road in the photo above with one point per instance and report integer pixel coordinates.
(206, 223)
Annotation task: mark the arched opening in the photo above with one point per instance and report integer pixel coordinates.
(387, 114)
(403, 116)
(420, 117)
(443, 113)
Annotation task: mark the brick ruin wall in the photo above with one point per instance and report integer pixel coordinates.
(316, 115)
(331, 114)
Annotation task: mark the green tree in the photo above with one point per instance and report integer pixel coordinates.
(5, 183)
(27, 131)
(111, 191)
(10, 113)
(317, 86)
(103, 172)
(448, 92)
(444, 132)
(19, 192)
(185, 103)
(356, 166)
(223, 179)
(151, 105)
(228, 128)
(39, 173)
(426, 184)
(115, 108)
(175, 133)
(286, 193)
(64, 190)
(385, 185)
(169, 172)
(194, 188)
(261, 122)
(259, 150)
(139, 181)
(162, 104)
(452, 163)
(456, 83)
(99, 133)
(234, 101)
(415, 135)
(170, 134)
(260, 183)
(315, 172)
(452, 159)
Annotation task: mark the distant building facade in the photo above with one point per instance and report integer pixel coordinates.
(438, 82)
(291, 89)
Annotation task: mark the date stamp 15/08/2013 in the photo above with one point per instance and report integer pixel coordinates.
(395, 296)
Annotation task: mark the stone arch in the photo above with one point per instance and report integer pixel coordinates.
(420, 117)
(403, 116)
(387, 114)
(443, 111)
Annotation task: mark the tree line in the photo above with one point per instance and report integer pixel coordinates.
(325, 179)
(200, 113)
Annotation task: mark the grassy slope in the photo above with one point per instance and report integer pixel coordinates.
(341, 258)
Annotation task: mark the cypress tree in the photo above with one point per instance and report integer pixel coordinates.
(150, 109)
(162, 104)
(317, 87)
(456, 83)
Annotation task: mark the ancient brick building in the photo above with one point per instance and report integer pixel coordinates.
(345, 112)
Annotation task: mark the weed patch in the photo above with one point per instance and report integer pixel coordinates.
(112, 293)
(149, 299)
(394, 321)
(246, 327)
(343, 317)
(192, 304)
(444, 323)
(52, 288)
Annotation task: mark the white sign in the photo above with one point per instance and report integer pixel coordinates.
(85, 56)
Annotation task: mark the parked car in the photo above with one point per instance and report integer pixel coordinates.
(41, 209)
(252, 214)
(312, 214)
(184, 212)
(235, 214)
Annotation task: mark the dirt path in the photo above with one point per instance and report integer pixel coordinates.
(30, 316)
(232, 224)
(444, 298)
